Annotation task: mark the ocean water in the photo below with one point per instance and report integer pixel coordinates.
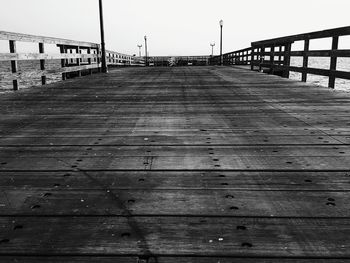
(27, 82)
(343, 64)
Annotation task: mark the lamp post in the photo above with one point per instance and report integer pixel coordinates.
(212, 48)
(221, 25)
(139, 46)
(146, 58)
(103, 45)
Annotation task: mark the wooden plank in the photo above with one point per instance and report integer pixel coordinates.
(114, 140)
(181, 236)
(333, 63)
(305, 59)
(315, 71)
(148, 202)
(42, 62)
(76, 259)
(14, 66)
(41, 39)
(46, 56)
(177, 163)
(98, 150)
(322, 53)
(162, 180)
(154, 259)
(341, 31)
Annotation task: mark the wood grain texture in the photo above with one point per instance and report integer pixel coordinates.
(163, 259)
(4, 35)
(183, 236)
(37, 56)
(187, 164)
(180, 180)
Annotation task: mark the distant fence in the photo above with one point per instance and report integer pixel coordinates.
(239, 57)
(119, 59)
(76, 57)
(273, 56)
(165, 61)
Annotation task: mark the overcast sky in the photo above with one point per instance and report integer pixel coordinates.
(173, 27)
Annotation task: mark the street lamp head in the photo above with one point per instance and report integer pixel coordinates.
(221, 22)
(145, 37)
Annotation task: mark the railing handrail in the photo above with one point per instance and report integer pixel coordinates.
(238, 51)
(340, 31)
(4, 35)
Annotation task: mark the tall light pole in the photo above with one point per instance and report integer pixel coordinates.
(212, 48)
(146, 54)
(139, 46)
(103, 45)
(221, 25)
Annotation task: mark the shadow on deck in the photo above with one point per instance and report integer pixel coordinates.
(190, 164)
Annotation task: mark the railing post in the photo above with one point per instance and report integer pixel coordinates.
(252, 60)
(78, 51)
(333, 66)
(279, 56)
(98, 59)
(89, 59)
(286, 60)
(63, 50)
(14, 67)
(305, 60)
(272, 60)
(42, 63)
(262, 57)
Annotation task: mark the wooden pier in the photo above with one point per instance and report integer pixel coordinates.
(186, 164)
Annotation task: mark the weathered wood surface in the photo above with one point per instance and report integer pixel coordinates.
(202, 236)
(60, 201)
(4, 35)
(341, 31)
(184, 180)
(161, 259)
(193, 164)
(36, 56)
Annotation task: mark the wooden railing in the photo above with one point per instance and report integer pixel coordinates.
(75, 58)
(239, 57)
(71, 56)
(281, 47)
(119, 59)
(274, 56)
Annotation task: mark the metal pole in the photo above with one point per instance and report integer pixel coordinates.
(146, 54)
(221, 45)
(103, 45)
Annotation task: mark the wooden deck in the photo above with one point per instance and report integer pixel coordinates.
(188, 164)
